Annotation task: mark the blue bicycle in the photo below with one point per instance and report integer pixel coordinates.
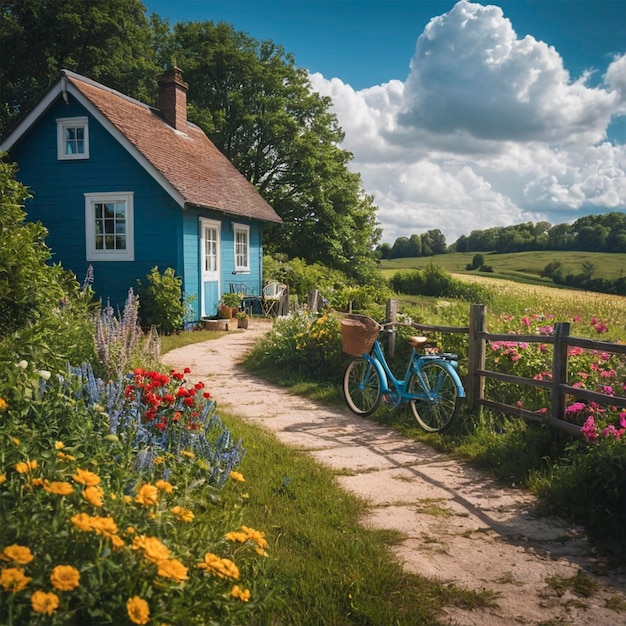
(431, 385)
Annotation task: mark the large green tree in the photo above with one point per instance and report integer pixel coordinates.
(260, 110)
(108, 40)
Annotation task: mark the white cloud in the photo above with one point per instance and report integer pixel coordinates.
(488, 130)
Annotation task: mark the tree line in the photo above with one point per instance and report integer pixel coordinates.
(249, 97)
(591, 233)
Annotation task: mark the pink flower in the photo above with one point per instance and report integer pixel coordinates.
(589, 429)
(525, 321)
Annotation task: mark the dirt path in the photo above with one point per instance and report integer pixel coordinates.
(460, 526)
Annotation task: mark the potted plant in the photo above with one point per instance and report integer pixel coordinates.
(230, 304)
(242, 319)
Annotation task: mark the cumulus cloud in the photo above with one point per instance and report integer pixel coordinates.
(489, 129)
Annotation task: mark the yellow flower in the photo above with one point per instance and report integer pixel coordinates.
(93, 495)
(85, 477)
(16, 441)
(65, 577)
(23, 467)
(172, 568)
(163, 485)
(238, 476)
(13, 579)
(255, 535)
(242, 594)
(184, 515)
(104, 526)
(59, 445)
(20, 555)
(188, 454)
(65, 457)
(59, 488)
(44, 602)
(224, 568)
(148, 495)
(3, 404)
(117, 542)
(138, 610)
(83, 522)
(153, 549)
(3, 478)
(237, 536)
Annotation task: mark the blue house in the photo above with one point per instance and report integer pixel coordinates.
(124, 187)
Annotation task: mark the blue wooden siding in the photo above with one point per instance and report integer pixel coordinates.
(164, 234)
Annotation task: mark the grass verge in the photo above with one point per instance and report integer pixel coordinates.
(325, 566)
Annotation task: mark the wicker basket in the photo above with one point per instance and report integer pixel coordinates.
(358, 334)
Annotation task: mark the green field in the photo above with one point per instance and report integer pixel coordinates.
(524, 267)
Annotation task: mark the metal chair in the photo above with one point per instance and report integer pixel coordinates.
(249, 300)
(273, 294)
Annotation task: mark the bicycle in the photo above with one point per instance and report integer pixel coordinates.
(431, 385)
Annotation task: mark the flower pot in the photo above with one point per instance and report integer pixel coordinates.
(242, 323)
(225, 312)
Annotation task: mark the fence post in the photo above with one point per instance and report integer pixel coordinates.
(312, 302)
(475, 384)
(391, 316)
(559, 368)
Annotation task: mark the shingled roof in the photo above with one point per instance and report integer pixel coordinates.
(178, 155)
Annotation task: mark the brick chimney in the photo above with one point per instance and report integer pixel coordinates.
(173, 98)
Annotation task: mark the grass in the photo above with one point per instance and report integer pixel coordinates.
(523, 267)
(324, 566)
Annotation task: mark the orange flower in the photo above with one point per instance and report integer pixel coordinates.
(85, 477)
(174, 569)
(23, 467)
(238, 476)
(93, 495)
(224, 568)
(13, 579)
(20, 555)
(153, 549)
(242, 594)
(44, 602)
(185, 515)
(147, 495)
(65, 577)
(58, 487)
(138, 610)
(163, 485)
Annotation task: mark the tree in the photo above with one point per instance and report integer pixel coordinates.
(107, 40)
(433, 242)
(260, 111)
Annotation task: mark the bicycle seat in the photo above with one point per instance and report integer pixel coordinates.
(418, 342)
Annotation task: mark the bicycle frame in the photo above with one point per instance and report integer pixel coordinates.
(398, 386)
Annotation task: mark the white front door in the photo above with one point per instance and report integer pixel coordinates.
(210, 265)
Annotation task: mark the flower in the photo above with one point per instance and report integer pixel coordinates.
(224, 568)
(58, 487)
(237, 476)
(93, 495)
(185, 515)
(148, 495)
(153, 549)
(242, 594)
(85, 477)
(44, 602)
(165, 486)
(59, 445)
(23, 467)
(13, 579)
(138, 610)
(19, 555)
(172, 568)
(3, 478)
(3, 404)
(65, 577)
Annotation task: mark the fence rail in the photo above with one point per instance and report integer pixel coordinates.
(558, 386)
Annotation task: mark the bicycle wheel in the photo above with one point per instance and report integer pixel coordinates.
(361, 387)
(437, 414)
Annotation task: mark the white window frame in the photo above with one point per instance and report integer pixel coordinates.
(72, 122)
(93, 254)
(241, 264)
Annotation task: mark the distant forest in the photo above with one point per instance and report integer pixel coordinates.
(591, 233)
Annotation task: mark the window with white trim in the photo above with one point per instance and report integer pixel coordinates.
(72, 138)
(242, 247)
(109, 226)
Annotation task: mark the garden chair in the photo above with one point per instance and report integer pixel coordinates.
(273, 293)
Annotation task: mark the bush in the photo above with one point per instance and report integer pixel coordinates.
(161, 302)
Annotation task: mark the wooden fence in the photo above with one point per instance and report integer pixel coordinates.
(559, 387)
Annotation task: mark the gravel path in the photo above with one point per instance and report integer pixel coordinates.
(459, 525)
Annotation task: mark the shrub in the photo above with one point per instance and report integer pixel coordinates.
(161, 302)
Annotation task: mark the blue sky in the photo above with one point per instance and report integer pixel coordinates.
(461, 115)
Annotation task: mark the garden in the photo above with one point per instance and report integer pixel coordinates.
(126, 497)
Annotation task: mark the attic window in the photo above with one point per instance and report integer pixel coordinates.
(72, 138)
(109, 226)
